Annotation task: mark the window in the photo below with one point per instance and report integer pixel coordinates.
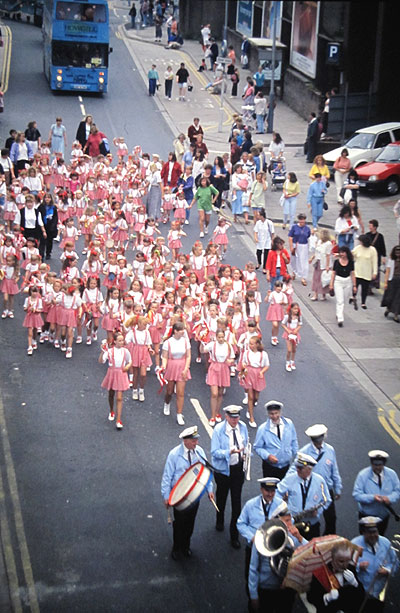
(382, 140)
(391, 153)
(79, 55)
(396, 134)
(73, 11)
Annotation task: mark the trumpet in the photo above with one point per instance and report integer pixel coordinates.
(247, 461)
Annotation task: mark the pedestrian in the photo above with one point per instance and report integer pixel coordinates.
(377, 563)
(391, 296)
(254, 364)
(182, 78)
(321, 259)
(277, 301)
(343, 281)
(33, 136)
(180, 459)
(260, 109)
(33, 321)
(194, 130)
(213, 53)
(277, 262)
(205, 35)
(205, 196)
(326, 466)
(58, 138)
(365, 266)
(244, 53)
(346, 228)
(377, 241)
(153, 78)
(21, 153)
(290, 192)
(315, 199)
(9, 285)
(171, 171)
(139, 343)
(264, 232)
(132, 13)
(186, 181)
(228, 447)
(116, 380)
(49, 213)
(176, 356)
(305, 491)
(396, 213)
(291, 325)
(299, 237)
(351, 187)
(168, 81)
(376, 488)
(221, 357)
(235, 78)
(259, 79)
(310, 147)
(342, 167)
(94, 141)
(31, 221)
(83, 131)
(158, 21)
(155, 193)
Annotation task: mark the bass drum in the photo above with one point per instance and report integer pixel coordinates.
(190, 487)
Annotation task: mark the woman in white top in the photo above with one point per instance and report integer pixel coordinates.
(116, 379)
(156, 192)
(175, 363)
(322, 262)
(276, 147)
(264, 232)
(346, 227)
(221, 356)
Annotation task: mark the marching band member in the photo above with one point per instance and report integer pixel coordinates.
(276, 441)
(375, 488)
(327, 467)
(179, 459)
(334, 586)
(306, 492)
(228, 443)
(377, 563)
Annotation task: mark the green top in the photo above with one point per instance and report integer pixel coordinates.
(152, 74)
(204, 197)
(257, 195)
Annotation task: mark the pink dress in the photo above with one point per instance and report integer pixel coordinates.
(176, 358)
(277, 301)
(219, 371)
(116, 379)
(292, 326)
(33, 318)
(139, 342)
(220, 236)
(254, 362)
(9, 285)
(110, 323)
(67, 315)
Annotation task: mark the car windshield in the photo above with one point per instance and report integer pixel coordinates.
(391, 153)
(360, 140)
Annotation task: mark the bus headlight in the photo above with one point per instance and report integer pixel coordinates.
(101, 80)
(59, 78)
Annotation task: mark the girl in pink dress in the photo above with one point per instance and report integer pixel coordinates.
(111, 321)
(9, 285)
(69, 233)
(87, 222)
(59, 172)
(212, 259)
(92, 300)
(70, 303)
(168, 204)
(116, 380)
(155, 327)
(175, 367)
(180, 207)
(277, 301)
(7, 248)
(141, 350)
(220, 235)
(198, 261)
(291, 324)
(174, 239)
(221, 356)
(136, 292)
(122, 274)
(254, 365)
(53, 299)
(122, 147)
(120, 226)
(140, 218)
(33, 306)
(46, 171)
(9, 212)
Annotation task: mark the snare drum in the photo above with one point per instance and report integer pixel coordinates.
(190, 487)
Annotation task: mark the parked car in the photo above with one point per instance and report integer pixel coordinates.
(366, 144)
(384, 173)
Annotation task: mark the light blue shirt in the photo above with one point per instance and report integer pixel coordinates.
(259, 78)
(260, 571)
(318, 492)
(366, 487)
(253, 516)
(327, 465)
(221, 446)
(152, 74)
(177, 463)
(383, 556)
(267, 442)
(316, 192)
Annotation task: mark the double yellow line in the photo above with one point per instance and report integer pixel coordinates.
(387, 419)
(5, 73)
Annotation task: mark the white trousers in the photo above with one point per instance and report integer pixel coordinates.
(339, 180)
(342, 287)
(302, 261)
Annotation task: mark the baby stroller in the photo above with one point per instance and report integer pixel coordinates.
(277, 170)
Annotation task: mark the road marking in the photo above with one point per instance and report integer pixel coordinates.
(80, 98)
(202, 416)
(19, 523)
(9, 560)
(386, 425)
(83, 111)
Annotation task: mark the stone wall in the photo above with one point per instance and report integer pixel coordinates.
(299, 94)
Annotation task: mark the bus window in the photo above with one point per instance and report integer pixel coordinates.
(73, 11)
(79, 55)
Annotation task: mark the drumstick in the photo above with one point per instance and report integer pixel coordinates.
(169, 515)
(214, 503)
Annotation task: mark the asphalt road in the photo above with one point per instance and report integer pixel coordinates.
(94, 525)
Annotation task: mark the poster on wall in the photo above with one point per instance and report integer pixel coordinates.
(269, 16)
(244, 18)
(304, 40)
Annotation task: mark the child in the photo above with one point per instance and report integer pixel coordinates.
(69, 233)
(197, 261)
(220, 235)
(116, 379)
(70, 302)
(54, 299)
(291, 324)
(122, 147)
(76, 152)
(255, 364)
(139, 340)
(221, 358)
(87, 222)
(69, 270)
(180, 206)
(33, 306)
(155, 327)
(9, 211)
(110, 270)
(251, 308)
(168, 204)
(9, 285)
(174, 239)
(120, 227)
(93, 301)
(212, 260)
(110, 321)
(277, 300)
(7, 248)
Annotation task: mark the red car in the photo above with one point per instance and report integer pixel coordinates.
(384, 173)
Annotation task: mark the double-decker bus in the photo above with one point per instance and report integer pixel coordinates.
(76, 45)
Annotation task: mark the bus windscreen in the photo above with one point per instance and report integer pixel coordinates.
(79, 11)
(79, 55)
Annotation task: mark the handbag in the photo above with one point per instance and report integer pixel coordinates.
(190, 88)
(325, 206)
(326, 277)
(282, 200)
(104, 147)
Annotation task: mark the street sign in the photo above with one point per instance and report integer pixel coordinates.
(223, 60)
(333, 53)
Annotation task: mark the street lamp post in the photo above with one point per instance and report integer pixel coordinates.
(270, 122)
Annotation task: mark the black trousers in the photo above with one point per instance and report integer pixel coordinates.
(168, 87)
(234, 89)
(234, 485)
(312, 532)
(269, 470)
(364, 288)
(45, 246)
(373, 605)
(183, 527)
(262, 254)
(311, 149)
(276, 601)
(330, 516)
(20, 165)
(382, 526)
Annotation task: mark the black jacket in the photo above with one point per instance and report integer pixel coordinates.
(50, 223)
(81, 133)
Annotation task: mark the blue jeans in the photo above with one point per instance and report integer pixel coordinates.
(278, 277)
(289, 210)
(317, 211)
(187, 212)
(152, 86)
(260, 123)
(346, 240)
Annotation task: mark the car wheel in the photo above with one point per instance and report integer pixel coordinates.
(392, 186)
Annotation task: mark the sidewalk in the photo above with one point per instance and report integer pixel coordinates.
(368, 344)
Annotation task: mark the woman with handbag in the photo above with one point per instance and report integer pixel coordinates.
(290, 191)
(299, 235)
(322, 266)
(346, 227)
(92, 146)
(343, 280)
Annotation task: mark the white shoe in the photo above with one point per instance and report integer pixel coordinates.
(94, 336)
(69, 353)
(233, 371)
(141, 395)
(293, 366)
(148, 369)
(245, 399)
(29, 350)
(288, 367)
(252, 424)
(34, 344)
(180, 420)
(89, 340)
(201, 234)
(64, 346)
(135, 395)
(78, 340)
(247, 415)
(206, 230)
(57, 344)
(186, 222)
(167, 409)
(41, 339)
(4, 314)
(274, 340)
